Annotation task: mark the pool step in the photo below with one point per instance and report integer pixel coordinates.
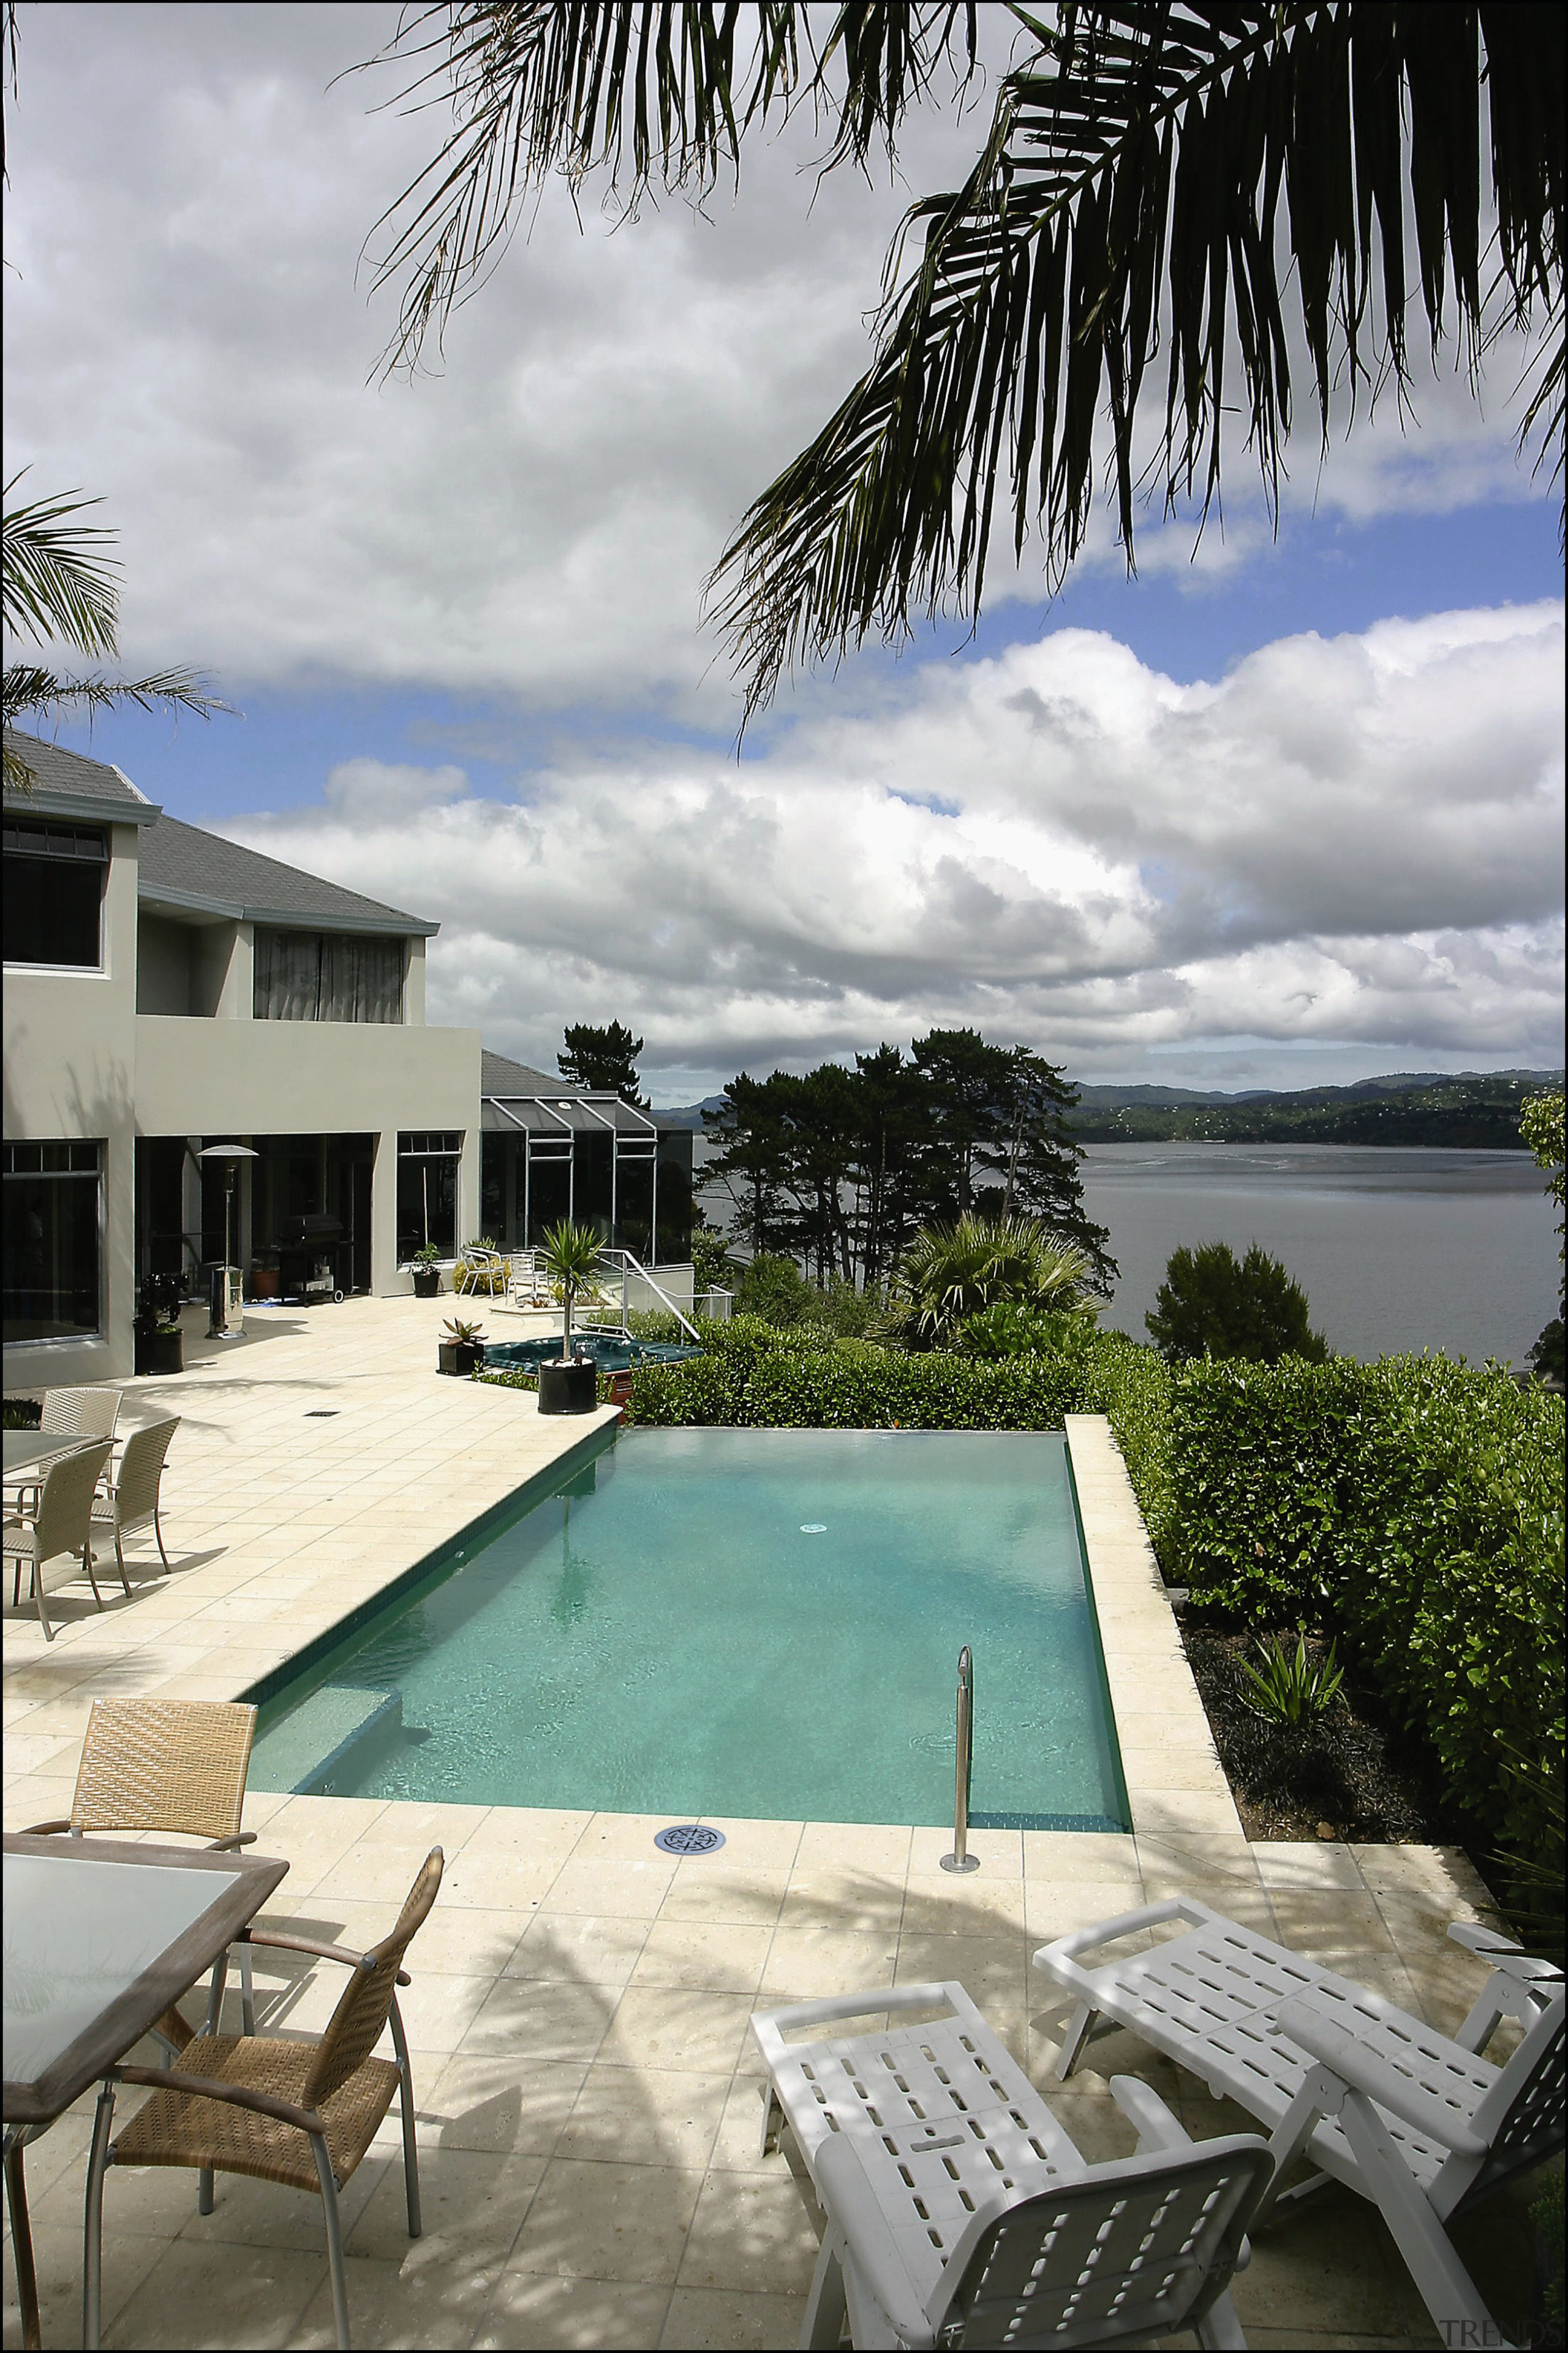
(321, 1748)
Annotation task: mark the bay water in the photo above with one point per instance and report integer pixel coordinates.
(1396, 1248)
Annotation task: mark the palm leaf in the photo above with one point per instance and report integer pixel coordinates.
(31, 692)
(1159, 174)
(646, 90)
(58, 582)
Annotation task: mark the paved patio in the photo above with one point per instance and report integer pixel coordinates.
(586, 2082)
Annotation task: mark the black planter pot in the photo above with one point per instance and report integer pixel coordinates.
(426, 1282)
(569, 1387)
(459, 1356)
(160, 1352)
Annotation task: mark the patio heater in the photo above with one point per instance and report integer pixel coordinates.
(227, 1303)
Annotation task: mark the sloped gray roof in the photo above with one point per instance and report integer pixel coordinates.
(499, 1076)
(66, 783)
(183, 866)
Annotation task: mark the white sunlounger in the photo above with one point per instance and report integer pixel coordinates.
(1423, 2125)
(959, 2211)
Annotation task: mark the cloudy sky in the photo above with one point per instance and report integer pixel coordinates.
(1288, 811)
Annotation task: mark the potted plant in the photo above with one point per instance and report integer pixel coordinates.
(159, 1347)
(426, 1273)
(569, 1255)
(461, 1348)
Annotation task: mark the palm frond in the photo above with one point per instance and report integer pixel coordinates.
(648, 90)
(59, 583)
(29, 691)
(1158, 174)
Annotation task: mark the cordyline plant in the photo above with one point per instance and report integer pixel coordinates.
(570, 1256)
(1196, 185)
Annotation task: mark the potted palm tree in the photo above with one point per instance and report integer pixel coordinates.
(570, 1255)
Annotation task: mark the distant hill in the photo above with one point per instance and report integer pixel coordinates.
(1461, 1109)
(688, 1114)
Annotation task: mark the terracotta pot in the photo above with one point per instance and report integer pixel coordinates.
(264, 1282)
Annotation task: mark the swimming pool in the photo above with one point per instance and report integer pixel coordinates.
(734, 1622)
(608, 1350)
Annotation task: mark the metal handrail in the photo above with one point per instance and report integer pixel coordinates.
(637, 1268)
(961, 1858)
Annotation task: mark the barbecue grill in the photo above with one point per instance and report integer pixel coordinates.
(311, 1258)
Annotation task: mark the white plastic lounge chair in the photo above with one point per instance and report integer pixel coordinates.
(132, 1498)
(1421, 2125)
(958, 2210)
(62, 1523)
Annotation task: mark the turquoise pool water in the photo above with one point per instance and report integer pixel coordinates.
(738, 1622)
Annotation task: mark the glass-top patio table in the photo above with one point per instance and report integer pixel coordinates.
(33, 1449)
(99, 1940)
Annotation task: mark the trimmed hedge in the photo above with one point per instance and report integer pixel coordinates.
(1417, 1504)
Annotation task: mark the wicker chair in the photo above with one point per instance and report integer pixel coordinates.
(61, 1523)
(302, 2113)
(70, 1413)
(131, 1497)
(177, 1767)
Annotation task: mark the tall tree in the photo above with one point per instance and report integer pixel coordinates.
(751, 1161)
(1163, 175)
(605, 1061)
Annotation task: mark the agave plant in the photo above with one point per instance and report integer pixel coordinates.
(1288, 1686)
(461, 1335)
(952, 1272)
(570, 1256)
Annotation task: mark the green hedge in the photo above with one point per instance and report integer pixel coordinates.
(1417, 1504)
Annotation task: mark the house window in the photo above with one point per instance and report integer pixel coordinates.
(52, 1195)
(327, 977)
(427, 1191)
(54, 894)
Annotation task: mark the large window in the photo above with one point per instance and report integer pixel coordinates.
(427, 1191)
(53, 1257)
(54, 894)
(328, 976)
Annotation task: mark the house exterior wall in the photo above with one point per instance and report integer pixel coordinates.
(70, 1061)
(310, 1078)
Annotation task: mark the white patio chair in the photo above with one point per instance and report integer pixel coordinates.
(62, 1523)
(959, 2211)
(479, 1268)
(1423, 2125)
(131, 1497)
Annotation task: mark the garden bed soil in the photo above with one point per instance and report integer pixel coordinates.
(1351, 1773)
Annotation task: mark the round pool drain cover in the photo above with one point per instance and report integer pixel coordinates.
(814, 1527)
(689, 1838)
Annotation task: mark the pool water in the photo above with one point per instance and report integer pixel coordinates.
(740, 1622)
(610, 1353)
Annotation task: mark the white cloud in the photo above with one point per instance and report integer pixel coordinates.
(186, 337)
(1350, 838)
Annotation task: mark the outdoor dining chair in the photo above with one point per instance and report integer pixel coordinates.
(958, 2210)
(69, 1413)
(1420, 2123)
(177, 1767)
(60, 1522)
(300, 2113)
(130, 1495)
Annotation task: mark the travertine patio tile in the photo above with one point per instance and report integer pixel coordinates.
(866, 1903)
(853, 1846)
(658, 2027)
(724, 1892)
(721, 1957)
(529, 2308)
(494, 2102)
(1297, 1864)
(629, 2116)
(1000, 1852)
(246, 2296)
(809, 1964)
(700, 2319)
(427, 2299)
(576, 1948)
(591, 2220)
(751, 2231)
(610, 1890)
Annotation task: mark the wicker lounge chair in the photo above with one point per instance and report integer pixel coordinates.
(299, 2113)
(131, 1496)
(959, 2211)
(62, 1521)
(1420, 2123)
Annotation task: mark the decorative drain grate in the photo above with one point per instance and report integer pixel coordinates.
(689, 1838)
(321, 1413)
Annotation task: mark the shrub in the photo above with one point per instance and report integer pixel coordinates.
(1416, 1504)
(1213, 1304)
(951, 1273)
(772, 1287)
